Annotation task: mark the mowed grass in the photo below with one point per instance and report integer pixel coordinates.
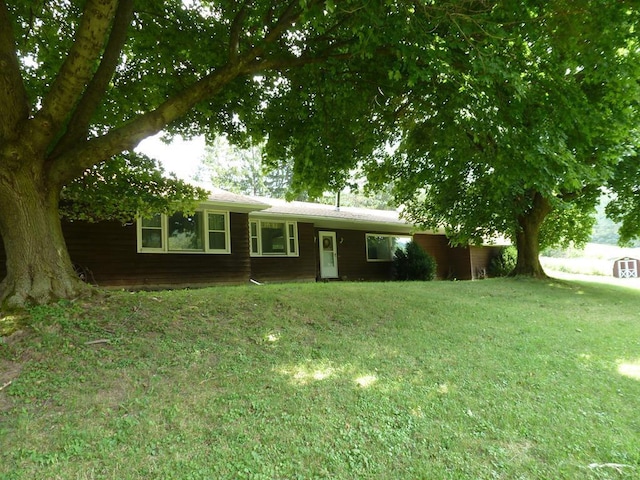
(510, 379)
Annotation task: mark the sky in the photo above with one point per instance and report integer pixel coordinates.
(180, 156)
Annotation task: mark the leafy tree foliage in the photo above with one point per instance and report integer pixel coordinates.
(624, 207)
(515, 107)
(504, 262)
(531, 128)
(241, 170)
(363, 197)
(128, 185)
(82, 81)
(505, 117)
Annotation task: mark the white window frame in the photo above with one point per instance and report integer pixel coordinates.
(391, 249)
(163, 239)
(208, 230)
(290, 227)
(204, 232)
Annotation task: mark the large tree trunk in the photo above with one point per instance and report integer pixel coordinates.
(39, 269)
(528, 239)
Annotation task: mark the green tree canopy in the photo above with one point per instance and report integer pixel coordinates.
(503, 118)
(624, 184)
(518, 104)
(241, 170)
(82, 81)
(128, 185)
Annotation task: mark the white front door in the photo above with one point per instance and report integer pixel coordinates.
(328, 255)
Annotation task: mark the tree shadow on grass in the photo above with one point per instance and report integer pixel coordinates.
(599, 288)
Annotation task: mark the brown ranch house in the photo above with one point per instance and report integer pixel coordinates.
(236, 239)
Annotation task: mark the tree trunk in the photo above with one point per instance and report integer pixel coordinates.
(528, 239)
(39, 269)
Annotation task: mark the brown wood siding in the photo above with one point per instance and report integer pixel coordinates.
(459, 263)
(107, 253)
(352, 257)
(438, 247)
(480, 258)
(280, 269)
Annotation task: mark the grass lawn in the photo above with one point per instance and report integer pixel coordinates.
(510, 379)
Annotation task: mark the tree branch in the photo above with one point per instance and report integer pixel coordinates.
(78, 126)
(235, 31)
(71, 163)
(307, 58)
(286, 19)
(75, 72)
(13, 96)
(294, 62)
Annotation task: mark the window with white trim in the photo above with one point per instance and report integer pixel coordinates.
(273, 238)
(382, 248)
(217, 230)
(203, 232)
(184, 233)
(150, 233)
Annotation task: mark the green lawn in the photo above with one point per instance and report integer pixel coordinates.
(509, 379)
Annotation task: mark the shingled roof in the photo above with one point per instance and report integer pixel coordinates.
(329, 216)
(239, 203)
(321, 215)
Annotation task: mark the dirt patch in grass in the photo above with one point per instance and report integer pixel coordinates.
(10, 368)
(9, 371)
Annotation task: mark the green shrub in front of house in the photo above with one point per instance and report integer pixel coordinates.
(413, 263)
(504, 262)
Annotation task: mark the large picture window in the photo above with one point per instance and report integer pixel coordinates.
(273, 238)
(185, 233)
(382, 248)
(203, 232)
